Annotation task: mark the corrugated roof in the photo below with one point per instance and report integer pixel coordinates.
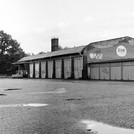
(111, 42)
(53, 54)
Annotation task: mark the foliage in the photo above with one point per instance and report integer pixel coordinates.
(41, 52)
(10, 52)
(62, 48)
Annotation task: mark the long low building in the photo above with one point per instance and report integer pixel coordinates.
(68, 63)
(103, 60)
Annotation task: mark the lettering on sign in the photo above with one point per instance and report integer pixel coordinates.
(97, 56)
(121, 51)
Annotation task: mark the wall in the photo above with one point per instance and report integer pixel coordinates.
(109, 51)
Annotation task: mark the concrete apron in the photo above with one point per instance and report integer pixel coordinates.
(101, 128)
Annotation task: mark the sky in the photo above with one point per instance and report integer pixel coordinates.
(75, 22)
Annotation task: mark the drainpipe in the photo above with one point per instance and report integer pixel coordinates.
(84, 71)
(80, 54)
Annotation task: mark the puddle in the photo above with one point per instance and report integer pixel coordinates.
(74, 99)
(58, 91)
(2, 94)
(10, 89)
(24, 105)
(101, 128)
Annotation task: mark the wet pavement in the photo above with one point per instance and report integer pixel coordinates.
(65, 107)
(101, 128)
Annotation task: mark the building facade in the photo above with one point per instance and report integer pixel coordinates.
(111, 59)
(103, 60)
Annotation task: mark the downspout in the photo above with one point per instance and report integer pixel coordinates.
(80, 54)
(84, 71)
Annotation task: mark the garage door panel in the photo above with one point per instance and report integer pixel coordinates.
(43, 69)
(31, 70)
(128, 73)
(78, 67)
(67, 68)
(94, 73)
(116, 73)
(36, 70)
(50, 69)
(58, 68)
(104, 73)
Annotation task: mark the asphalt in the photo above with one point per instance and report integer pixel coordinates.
(42, 106)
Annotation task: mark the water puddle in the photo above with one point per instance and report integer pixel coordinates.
(74, 99)
(2, 94)
(101, 128)
(11, 89)
(24, 105)
(57, 91)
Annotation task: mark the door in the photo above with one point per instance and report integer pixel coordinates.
(58, 68)
(36, 70)
(94, 71)
(50, 69)
(31, 70)
(78, 67)
(43, 69)
(128, 71)
(115, 71)
(67, 68)
(104, 72)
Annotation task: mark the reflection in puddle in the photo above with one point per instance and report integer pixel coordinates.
(100, 128)
(24, 105)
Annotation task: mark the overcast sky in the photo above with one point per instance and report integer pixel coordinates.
(75, 22)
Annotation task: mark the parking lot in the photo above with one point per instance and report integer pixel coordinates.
(40, 106)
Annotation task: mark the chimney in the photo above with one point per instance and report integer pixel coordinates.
(54, 44)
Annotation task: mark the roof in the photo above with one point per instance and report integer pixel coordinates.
(68, 51)
(111, 42)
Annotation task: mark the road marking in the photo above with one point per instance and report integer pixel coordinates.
(101, 128)
(24, 105)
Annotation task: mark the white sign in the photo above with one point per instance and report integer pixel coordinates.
(95, 56)
(121, 51)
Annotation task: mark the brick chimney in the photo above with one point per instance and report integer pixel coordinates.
(54, 44)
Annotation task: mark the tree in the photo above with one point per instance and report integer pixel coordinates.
(10, 52)
(62, 48)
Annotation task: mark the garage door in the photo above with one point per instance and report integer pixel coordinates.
(94, 70)
(115, 71)
(36, 70)
(31, 70)
(78, 67)
(58, 68)
(128, 71)
(43, 69)
(104, 72)
(50, 69)
(67, 68)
